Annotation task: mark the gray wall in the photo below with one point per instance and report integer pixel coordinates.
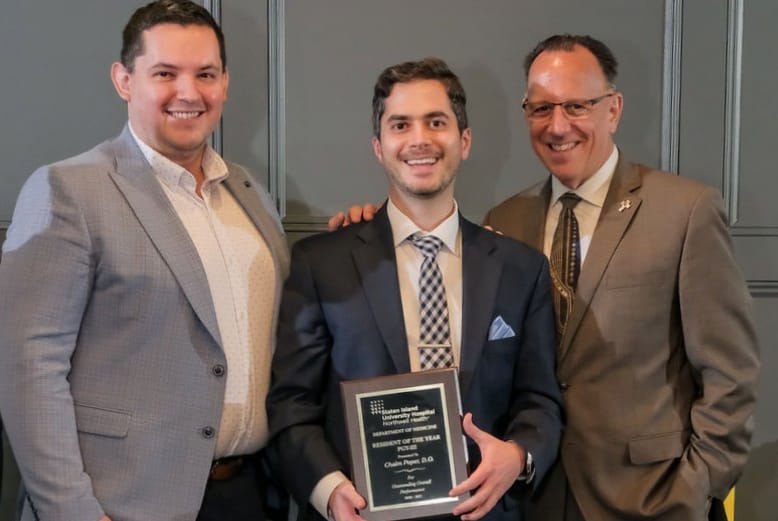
(699, 100)
(332, 63)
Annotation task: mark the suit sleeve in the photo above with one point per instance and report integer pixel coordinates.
(45, 281)
(536, 409)
(721, 345)
(296, 403)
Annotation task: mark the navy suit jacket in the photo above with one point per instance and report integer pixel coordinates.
(341, 318)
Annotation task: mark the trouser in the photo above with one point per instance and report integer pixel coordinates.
(248, 495)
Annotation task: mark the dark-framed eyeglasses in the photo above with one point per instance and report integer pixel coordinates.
(572, 108)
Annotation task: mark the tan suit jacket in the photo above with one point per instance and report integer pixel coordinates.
(659, 361)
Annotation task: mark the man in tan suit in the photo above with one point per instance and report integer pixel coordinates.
(657, 356)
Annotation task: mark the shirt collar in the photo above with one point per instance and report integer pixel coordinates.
(594, 189)
(173, 174)
(403, 227)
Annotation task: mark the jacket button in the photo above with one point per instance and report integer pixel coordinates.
(218, 370)
(208, 432)
(563, 386)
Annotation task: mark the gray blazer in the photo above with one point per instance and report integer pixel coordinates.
(108, 338)
(659, 361)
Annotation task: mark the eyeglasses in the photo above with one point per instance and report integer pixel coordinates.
(573, 108)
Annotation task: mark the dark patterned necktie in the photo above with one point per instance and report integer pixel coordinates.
(565, 261)
(435, 350)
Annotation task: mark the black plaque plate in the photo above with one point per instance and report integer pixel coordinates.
(407, 449)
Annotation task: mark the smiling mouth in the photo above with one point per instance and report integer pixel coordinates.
(421, 161)
(184, 114)
(561, 147)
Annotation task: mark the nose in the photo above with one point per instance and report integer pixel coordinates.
(420, 135)
(558, 122)
(186, 87)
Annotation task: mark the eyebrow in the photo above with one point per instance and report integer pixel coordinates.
(429, 115)
(164, 65)
(436, 114)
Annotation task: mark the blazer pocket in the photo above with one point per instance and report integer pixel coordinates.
(500, 348)
(657, 447)
(103, 422)
(636, 279)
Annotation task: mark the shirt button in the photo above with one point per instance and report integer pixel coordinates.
(218, 370)
(208, 432)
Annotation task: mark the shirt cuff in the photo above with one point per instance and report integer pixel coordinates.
(320, 496)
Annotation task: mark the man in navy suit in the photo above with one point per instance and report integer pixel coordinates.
(351, 309)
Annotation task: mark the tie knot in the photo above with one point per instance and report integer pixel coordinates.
(429, 245)
(569, 200)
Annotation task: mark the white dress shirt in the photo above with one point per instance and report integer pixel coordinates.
(242, 281)
(409, 260)
(587, 212)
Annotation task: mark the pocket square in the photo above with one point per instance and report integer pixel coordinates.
(499, 329)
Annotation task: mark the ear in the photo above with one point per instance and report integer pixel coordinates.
(226, 82)
(466, 138)
(120, 77)
(377, 149)
(615, 110)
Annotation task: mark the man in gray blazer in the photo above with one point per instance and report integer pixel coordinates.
(139, 285)
(657, 357)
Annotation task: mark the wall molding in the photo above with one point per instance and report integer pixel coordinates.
(755, 231)
(217, 140)
(305, 223)
(763, 288)
(276, 35)
(671, 85)
(215, 8)
(731, 180)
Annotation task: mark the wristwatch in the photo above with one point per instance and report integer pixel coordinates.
(529, 470)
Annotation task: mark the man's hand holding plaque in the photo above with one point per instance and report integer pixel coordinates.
(501, 463)
(345, 503)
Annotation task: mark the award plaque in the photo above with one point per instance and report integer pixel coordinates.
(407, 448)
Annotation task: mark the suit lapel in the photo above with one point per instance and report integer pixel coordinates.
(377, 267)
(137, 182)
(613, 223)
(481, 273)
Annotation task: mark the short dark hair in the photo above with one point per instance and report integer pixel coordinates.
(181, 12)
(567, 42)
(426, 69)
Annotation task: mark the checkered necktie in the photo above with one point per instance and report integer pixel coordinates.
(565, 261)
(435, 349)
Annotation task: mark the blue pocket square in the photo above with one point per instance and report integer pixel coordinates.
(499, 329)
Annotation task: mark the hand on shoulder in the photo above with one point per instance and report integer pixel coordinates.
(354, 214)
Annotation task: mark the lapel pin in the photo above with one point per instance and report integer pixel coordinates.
(626, 204)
